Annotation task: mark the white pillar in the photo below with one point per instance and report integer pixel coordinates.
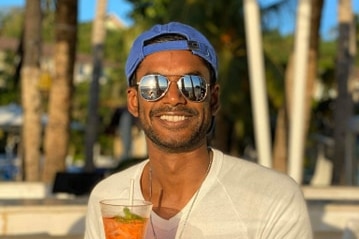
(297, 119)
(257, 82)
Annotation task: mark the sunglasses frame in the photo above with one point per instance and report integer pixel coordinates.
(180, 77)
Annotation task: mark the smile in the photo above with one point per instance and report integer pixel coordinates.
(173, 118)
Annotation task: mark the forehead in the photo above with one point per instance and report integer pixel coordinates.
(173, 62)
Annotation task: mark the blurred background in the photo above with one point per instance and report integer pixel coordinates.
(289, 93)
(91, 89)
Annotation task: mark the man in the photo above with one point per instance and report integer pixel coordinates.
(196, 191)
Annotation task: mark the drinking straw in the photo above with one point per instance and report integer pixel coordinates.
(132, 183)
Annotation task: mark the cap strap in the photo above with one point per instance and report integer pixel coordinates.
(165, 46)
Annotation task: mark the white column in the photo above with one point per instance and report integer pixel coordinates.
(257, 82)
(297, 119)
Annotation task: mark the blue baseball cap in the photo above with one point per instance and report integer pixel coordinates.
(195, 42)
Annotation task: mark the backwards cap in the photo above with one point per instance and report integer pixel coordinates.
(195, 42)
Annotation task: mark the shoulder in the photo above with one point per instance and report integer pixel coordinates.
(245, 174)
(260, 188)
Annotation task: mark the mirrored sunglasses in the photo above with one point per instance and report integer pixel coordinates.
(154, 87)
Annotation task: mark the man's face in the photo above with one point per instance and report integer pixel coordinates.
(174, 123)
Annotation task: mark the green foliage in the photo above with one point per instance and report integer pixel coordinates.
(12, 22)
(327, 55)
(48, 26)
(9, 83)
(221, 21)
(357, 38)
(276, 53)
(84, 38)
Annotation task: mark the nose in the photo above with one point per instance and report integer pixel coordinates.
(173, 95)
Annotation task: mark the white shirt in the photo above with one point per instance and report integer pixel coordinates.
(238, 199)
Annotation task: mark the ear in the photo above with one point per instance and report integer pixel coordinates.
(215, 102)
(132, 101)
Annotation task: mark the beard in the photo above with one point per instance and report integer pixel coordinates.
(197, 136)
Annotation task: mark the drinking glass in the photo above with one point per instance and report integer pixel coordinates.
(124, 218)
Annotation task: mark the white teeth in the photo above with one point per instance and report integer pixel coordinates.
(173, 118)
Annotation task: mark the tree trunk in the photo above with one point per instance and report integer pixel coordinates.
(30, 74)
(281, 142)
(343, 104)
(98, 37)
(57, 130)
(280, 151)
(316, 15)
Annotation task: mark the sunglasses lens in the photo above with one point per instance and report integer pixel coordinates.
(193, 87)
(153, 87)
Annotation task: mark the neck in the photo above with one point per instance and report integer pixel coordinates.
(170, 181)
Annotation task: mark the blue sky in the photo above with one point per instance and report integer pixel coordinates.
(122, 7)
(86, 8)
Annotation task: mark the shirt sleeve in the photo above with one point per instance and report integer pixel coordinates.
(93, 227)
(287, 218)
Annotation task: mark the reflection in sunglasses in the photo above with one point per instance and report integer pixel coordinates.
(154, 87)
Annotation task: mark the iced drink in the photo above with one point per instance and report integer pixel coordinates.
(125, 220)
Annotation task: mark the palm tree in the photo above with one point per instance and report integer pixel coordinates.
(98, 37)
(57, 130)
(30, 74)
(343, 104)
(281, 137)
